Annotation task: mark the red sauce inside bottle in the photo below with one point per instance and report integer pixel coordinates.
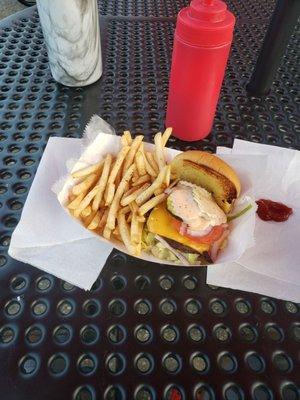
(175, 394)
(269, 210)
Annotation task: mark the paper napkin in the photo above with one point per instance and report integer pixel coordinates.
(271, 266)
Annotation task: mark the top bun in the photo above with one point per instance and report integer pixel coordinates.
(211, 161)
(210, 172)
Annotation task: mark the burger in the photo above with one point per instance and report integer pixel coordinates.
(190, 226)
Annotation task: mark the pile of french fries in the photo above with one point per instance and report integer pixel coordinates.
(113, 196)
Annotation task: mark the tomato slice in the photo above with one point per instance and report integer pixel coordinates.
(176, 224)
(212, 236)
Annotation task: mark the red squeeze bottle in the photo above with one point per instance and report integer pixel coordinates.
(202, 43)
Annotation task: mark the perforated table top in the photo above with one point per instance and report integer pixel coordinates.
(145, 331)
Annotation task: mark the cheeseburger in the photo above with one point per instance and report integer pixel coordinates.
(190, 227)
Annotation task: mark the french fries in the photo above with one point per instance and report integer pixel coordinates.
(146, 194)
(124, 233)
(128, 137)
(111, 218)
(75, 203)
(84, 185)
(86, 212)
(102, 183)
(112, 197)
(95, 221)
(118, 163)
(166, 135)
(142, 179)
(168, 176)
(134, 229)
(148, 167)
(92, 169)
(152, 162)
(131, 154)
(152, 203)
(129, 198)
(159, 151)
(140, 164)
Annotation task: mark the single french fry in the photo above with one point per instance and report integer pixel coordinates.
(166, 135)
(133, 207)
(92, 169)
(152, 162)
(130, 197)
(111, 218)
(84, 185)
(141, 180)
(124, 141)
(111, 188)
(126, 187)
(72, 197)
(102, 182)
(116, 231)
(149, 168)
(95, 221)
(107, 233)
(135, 176)
(124, 210)
(141, 148)
(118, 164)
(124, 233)
(146, 194)
(118, 178)
(159, 191)
(141, 228)
(103, 219)
(152, 203)
(159, 152)
(130, 191)
(128, 137)
(131, 154)
(140, 163)
(134, 229)
(168, 175)
(87, 220)
(138, 249)
(86, 212)
(86, 201)
(174, 183)
(75, 203)
(118, 237)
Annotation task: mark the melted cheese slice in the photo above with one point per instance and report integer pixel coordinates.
(160, 222)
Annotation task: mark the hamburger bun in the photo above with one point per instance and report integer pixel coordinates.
(211, 173)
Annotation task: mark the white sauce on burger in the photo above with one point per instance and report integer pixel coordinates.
(196, 207)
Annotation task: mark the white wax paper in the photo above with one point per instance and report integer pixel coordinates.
(46, 237)
(277, 252)
(271, 266)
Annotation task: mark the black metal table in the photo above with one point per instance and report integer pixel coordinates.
(145, 331)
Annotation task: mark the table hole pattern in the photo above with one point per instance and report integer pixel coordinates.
(183, 331)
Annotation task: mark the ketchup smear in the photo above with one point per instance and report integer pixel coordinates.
(269, 210)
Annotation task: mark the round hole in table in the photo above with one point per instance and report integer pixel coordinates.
(115, 363)
(87, 364)
(29, 365)
(8, 334)
(143, 333)
(116, 334)
(89, 334)
(62, 334)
